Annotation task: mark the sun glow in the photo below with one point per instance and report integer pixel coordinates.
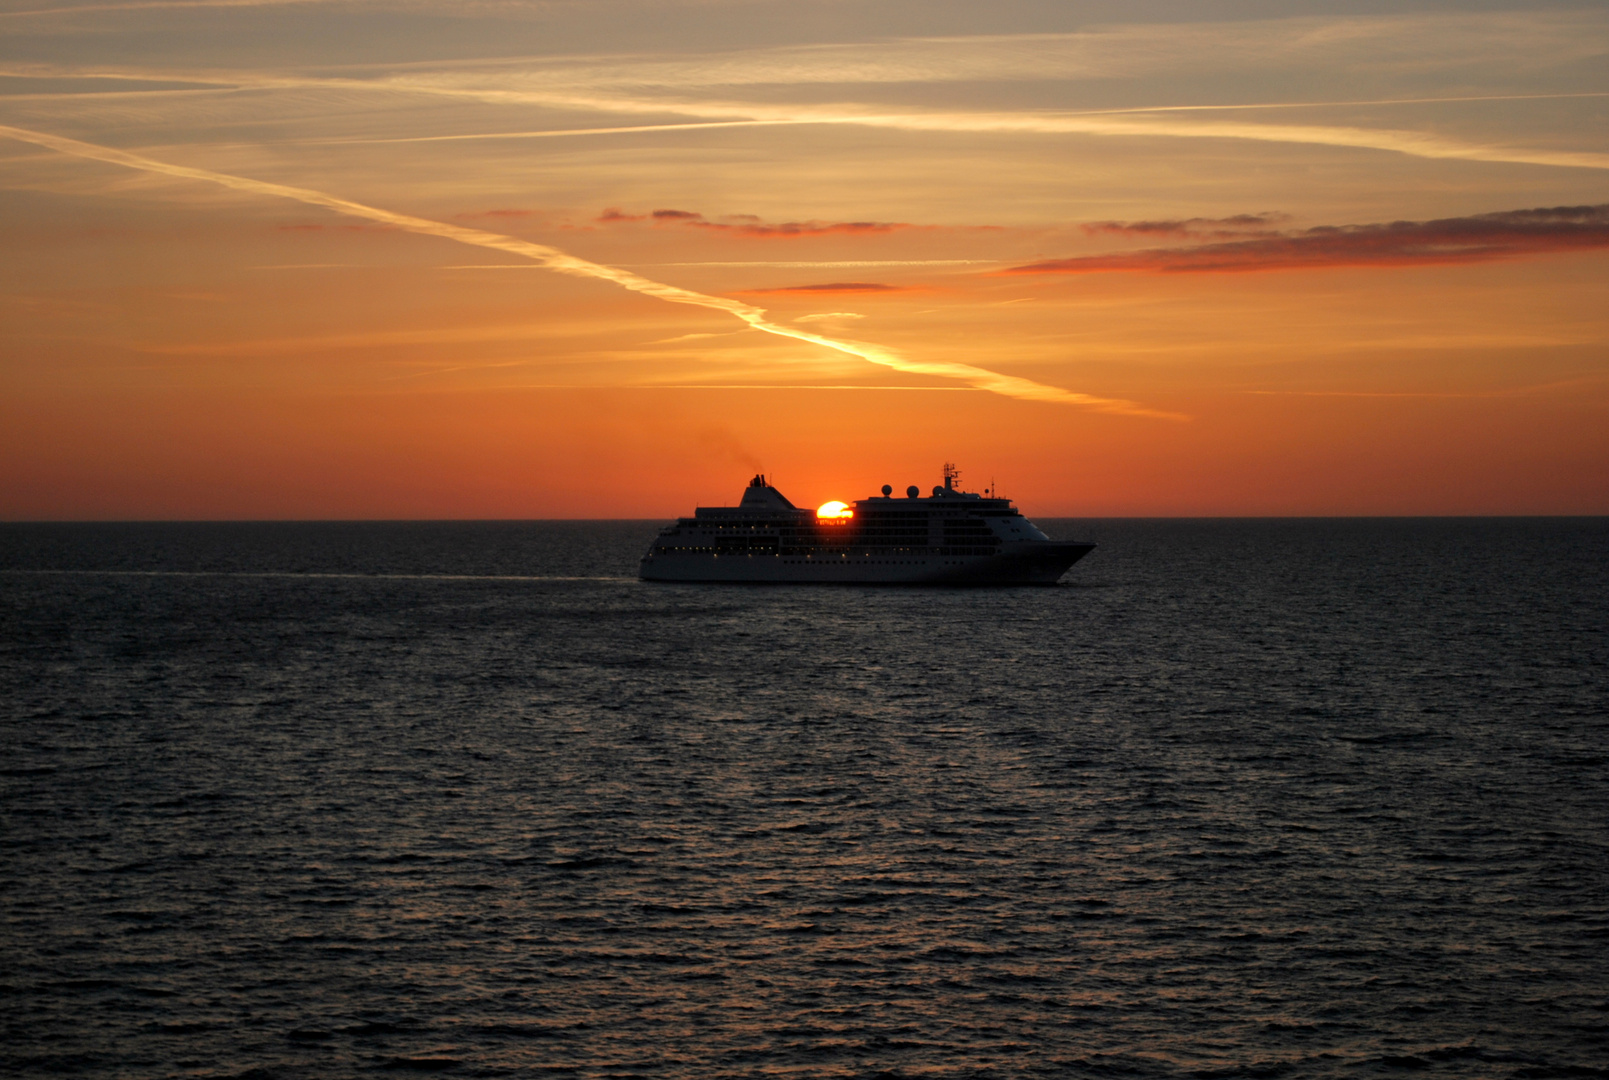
(834, 511)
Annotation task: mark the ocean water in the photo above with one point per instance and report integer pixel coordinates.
(1238, 798)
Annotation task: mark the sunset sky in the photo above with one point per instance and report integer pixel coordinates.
(608, 258)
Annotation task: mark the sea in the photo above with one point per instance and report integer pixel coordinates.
(1238, 798)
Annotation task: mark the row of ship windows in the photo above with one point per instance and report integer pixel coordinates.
(907, 522)
(861, 562)
(969, 529)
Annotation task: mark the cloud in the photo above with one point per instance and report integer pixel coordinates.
(1506, 234)
(750, 225)
(690, 337)
(314, 227)
(831, 264)
(829, 316)
(1238, 225)
(775, 264)
(563, 262)
(547, 133)
(832, 287)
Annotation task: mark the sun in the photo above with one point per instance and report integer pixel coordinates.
(834, 511)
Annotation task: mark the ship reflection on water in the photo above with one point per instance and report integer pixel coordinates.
(1305, 799)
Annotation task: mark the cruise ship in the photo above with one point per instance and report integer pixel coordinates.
(951, 537)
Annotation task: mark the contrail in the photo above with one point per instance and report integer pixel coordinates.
(1337, 104)
(564, 263)
(556, 133)
(1145, 121)
(1084, 122)
(1118, 122)
(1410, 143)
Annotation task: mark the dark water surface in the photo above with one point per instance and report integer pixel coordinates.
(1256, 798)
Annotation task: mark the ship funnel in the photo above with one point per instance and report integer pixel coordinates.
(762, 496)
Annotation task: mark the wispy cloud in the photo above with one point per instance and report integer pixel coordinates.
(829, 316)
(750, 225)
(741, 386)
(691, 337)
(834, 264)
(551, 133)
(831, 287)
(565, 263)
(1480, 238)
(775, 264)
(1240, 225)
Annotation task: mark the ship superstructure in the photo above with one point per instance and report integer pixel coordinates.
(950, 537)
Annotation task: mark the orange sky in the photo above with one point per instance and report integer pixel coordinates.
(260, 263)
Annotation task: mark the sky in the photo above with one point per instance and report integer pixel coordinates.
(351, 259)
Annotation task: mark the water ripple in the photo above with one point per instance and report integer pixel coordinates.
(1242, 799)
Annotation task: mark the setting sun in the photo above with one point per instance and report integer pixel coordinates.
(834, 511)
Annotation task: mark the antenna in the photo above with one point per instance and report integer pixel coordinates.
(951, 476)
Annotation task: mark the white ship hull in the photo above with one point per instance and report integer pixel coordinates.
(1036, 567)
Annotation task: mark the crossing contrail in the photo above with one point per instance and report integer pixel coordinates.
(564, 263)
(1157, 121)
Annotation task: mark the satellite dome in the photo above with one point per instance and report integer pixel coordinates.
(888, 489)
(913, 492)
